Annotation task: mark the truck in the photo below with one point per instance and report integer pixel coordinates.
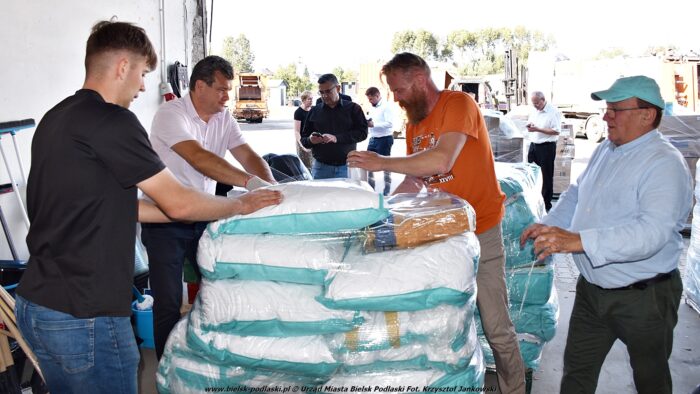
(568, 84)
(251, 103)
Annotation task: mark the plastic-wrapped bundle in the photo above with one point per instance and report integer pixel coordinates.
(301, 355)
(538, 320)
(531, 285)
(517, 257)
(264, 308)
(181, 370)
(692, 270)
(522, 186)
(318, 206)
(469, 379)
(443, 337)
(530, 349)
(416, 219)
(297, 259)
(384, 330)
(406, 280)
(692, 277)
(448, 356)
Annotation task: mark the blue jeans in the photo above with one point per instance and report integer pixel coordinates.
(97, 355)
(326, 171)
(382, 146)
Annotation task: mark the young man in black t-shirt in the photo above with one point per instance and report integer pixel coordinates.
(89, 155)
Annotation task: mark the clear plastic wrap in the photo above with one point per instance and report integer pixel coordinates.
(298, 355)
(530, 285)
(683, 131)
(264, 308)
(318, 206)
(533, 305)
(469, 379)
(506, 138)
(408, 279)
(183, 371)
(418, 219)
(292, 302)
(530, 349)
(691, 281)
(384, 330)
(522, 185)
(305, 259)
(449, 356)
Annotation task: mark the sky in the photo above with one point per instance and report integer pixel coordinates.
(327, 34)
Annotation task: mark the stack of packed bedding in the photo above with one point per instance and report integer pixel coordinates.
(692, 270)
(532, 297)
(334, 287)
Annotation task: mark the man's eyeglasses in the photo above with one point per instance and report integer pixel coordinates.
(325, 92)
(610, 112)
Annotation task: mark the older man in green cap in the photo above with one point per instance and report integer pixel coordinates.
(621, 221)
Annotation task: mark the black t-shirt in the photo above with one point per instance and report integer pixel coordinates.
(87, 157)
(301, 115)
(346, 121)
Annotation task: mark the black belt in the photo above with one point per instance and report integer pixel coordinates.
(643, 284)
(545, 143)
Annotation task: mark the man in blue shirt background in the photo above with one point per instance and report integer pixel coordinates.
(621, 222)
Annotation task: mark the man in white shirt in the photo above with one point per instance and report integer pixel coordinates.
(544, 125)
(381, 131)
(191, 135)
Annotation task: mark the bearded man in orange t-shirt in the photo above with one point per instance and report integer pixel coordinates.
(448, 148)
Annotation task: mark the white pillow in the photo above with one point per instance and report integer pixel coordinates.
(405, 280)
(263, 308)
(318, 206)
(297, 259)
(305, 355)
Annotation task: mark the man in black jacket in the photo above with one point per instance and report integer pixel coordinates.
(332, 130)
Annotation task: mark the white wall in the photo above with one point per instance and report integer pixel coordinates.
(42, 48)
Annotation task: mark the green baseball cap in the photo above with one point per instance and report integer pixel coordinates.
(638, 86)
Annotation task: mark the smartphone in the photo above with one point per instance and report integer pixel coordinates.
(316, 134)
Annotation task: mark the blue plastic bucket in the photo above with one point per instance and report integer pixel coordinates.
(144, 325)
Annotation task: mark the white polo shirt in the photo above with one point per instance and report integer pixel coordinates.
(178, 121)
(550, 118)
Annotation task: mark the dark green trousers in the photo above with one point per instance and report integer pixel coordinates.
(642, 319)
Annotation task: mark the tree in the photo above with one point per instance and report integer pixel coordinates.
(237, 51)
(482, 52)
(421, 42)
(403, 41)
(609, 53)
(345, 75)
(297, 84)
(522, 41)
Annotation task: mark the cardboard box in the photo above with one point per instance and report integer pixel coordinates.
(562, 174)
(567, 130)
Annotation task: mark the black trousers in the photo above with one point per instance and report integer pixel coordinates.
(168, 245)
(643, 319)
(543, 155)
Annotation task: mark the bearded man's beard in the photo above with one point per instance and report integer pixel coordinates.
(416, 107)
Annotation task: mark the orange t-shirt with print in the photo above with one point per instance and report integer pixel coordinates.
(473, 176)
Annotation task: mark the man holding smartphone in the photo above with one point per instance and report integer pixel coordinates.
(332, 130)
